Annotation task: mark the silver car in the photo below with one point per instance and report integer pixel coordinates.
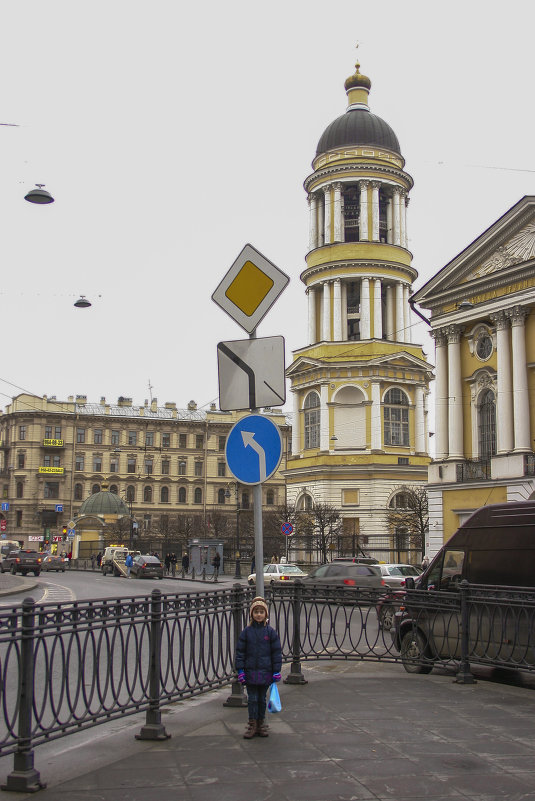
(394, 575)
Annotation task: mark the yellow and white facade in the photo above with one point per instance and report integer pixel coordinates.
(482, 320)
(360, 385)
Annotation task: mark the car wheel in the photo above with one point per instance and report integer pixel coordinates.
(386, 619)
(63, 570)
(414, 649)
(272, 583)
(251, 583)
(13, 571)
(37, 572)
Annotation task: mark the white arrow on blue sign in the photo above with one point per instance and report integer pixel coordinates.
(254, 449)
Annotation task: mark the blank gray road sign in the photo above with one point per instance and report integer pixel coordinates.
(251, 373)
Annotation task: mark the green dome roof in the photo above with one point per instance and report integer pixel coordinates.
(104, 503)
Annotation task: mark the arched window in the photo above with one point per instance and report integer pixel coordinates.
(197, 497)
(221, 496)
(94, 489)
(131, 493)
(396, 415)
(114, 489)
(400, 501)
(487, 425)
(20, 489)
(270, 498)
(312, 420)
(305, 503)
(147, 495)
(164, 495)
(78, 492)
(182, 495)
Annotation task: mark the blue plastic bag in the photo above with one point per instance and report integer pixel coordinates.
(274, 699)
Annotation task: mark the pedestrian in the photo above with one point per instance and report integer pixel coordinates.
(216, 561)
(274, 559)
(173, 560)
(258, 663)
(167, 563)
(128, 562)
(425, 562)
(185, 563)
(99, 558)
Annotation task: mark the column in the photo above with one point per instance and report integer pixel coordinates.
(520, 380)
(377, 310)
(363, 216)
(328, 211)
(375, 210)
(313, 228)
(455, 394)
(399, 332)
(389, 221)
(404, 210)
(396, 216)
(338, 235)
(376, 417)
(337, 310)
(441, 394)
(365, 308)
(407, 313)
(326, 318)
(419, 427)
(390, 312)
(296, 425)
(504, 399)
(312, 335)
(402, 218)
(344, 310)
(324, 418)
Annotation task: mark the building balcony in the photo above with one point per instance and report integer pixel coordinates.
(473, 470)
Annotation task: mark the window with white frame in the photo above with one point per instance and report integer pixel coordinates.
(312, 420)
(396, 418)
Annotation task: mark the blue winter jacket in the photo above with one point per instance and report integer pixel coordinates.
(259, 653)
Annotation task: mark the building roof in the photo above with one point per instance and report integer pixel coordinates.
(358, 126)
(104, 503)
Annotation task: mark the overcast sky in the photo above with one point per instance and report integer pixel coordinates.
(172, 133)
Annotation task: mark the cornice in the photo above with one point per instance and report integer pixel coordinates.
(360, 266)
(330, 173)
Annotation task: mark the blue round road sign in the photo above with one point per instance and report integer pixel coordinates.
(253, 449)
(287, 529)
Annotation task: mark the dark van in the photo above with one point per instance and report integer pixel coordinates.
(494, 547)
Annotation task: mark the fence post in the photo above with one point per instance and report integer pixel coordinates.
(237, 600)
(464, 675)
(296, 674)
(24, 777)
(153, 728)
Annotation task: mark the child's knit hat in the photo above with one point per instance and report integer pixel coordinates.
(258, 601)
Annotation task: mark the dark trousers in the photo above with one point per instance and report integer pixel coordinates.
(256, 701)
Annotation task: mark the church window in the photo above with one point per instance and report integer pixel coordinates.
(484, 346)
(312, 420)
(396, 418)
(487, 425)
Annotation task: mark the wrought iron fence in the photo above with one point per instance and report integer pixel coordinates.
(65, 668)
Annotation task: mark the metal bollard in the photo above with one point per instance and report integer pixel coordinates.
(296, 674)
(464, 675)
(153, 728)
(193, 574)
(204, 574)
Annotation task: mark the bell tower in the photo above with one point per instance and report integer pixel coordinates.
(360, 385)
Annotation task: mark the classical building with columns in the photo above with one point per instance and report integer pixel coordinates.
(360, 385)
(481, 306)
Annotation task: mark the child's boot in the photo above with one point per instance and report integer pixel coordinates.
(250, 731)
(262, 728)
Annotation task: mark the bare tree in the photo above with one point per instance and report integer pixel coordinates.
(410, 514)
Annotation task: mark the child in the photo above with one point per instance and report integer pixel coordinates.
(258, 662)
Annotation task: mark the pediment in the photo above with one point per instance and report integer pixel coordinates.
(402, 360)
(508, 245)
(303, 364)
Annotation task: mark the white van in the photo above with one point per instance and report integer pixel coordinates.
(5, 547)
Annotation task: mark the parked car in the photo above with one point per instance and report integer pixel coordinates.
(273, 574)
(346, 575)
(395, 574)
(361, 560)
(24, 561)
(54, 562)
(147, 567)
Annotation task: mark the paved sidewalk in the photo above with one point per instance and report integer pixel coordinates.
(355, 731)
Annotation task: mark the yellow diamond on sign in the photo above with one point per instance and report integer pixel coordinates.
(249, 288)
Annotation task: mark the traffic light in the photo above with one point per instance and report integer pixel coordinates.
(64, 532)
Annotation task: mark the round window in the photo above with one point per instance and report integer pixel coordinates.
(484, 346)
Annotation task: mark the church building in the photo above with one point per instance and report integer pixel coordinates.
(360, 384)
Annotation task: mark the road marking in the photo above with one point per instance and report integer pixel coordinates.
(57, 593)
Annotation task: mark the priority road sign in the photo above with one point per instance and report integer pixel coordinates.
(253, 449)
(251, 373)
(250, 288)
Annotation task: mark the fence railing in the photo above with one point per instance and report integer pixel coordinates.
(65, 668)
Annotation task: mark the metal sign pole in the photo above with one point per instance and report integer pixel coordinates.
(258, 531)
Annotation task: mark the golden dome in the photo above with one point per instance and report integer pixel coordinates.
(357, 80)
